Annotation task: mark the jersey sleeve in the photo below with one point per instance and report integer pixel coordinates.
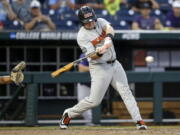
(103, 22)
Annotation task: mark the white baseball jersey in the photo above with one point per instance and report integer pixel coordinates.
(89, 40)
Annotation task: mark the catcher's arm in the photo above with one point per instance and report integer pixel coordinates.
(5, 80)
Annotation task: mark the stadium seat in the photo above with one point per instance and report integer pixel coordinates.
(127, 15)
(66, 25)
(121, 24)
(13, 25)
(45, 11)
(160, 15)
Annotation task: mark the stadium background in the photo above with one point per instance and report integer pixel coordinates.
(47, 51)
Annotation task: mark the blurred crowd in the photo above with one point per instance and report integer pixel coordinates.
(52, 15)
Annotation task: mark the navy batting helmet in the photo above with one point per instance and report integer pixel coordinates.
(86, 14)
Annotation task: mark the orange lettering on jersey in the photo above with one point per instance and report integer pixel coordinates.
(99, 39)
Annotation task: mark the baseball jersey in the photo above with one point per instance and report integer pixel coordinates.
(89, 40)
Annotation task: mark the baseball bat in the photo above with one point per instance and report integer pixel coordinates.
(70, 65)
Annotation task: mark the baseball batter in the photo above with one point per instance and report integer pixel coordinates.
(96, 34)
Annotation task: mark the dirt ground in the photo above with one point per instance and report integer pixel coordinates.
(165, 130)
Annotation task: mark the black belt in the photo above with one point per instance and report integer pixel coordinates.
(110, 61)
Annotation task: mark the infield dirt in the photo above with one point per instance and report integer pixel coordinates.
(162, 130)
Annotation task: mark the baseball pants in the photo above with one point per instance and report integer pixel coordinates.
(102, 75)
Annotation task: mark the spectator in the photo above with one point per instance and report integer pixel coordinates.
(5, 13)
(173, 18)
(37, 21)
(145, 21)
(83, 90)
(134, 4)
(61, 4)
(21, 8)
(96, 4)
(112, 6)
(64, 5)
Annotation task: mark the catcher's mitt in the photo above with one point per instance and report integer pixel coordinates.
(17, 75)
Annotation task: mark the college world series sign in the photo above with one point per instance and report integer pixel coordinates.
(71, 35)
(43, 35)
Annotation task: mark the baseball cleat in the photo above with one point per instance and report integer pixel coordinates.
(64, 122)
(141, 125)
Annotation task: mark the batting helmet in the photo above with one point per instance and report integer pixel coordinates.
(86, 14)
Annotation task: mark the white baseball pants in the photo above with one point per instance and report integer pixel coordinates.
(102, 75)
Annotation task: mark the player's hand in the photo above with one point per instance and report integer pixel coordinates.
(101, 50)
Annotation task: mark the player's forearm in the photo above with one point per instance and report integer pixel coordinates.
(95, 56)
(107, 42)
(5, 80)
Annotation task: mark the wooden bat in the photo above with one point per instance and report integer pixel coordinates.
(70, 65)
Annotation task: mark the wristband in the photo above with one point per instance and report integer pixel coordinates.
(110, 35)
(98, 54)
